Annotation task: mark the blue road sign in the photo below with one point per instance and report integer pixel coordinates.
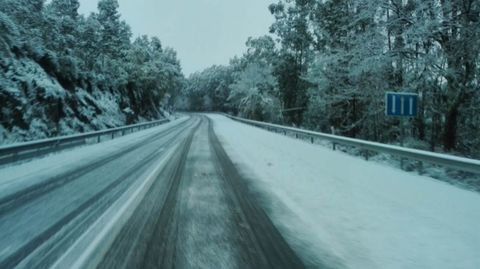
(401, 104)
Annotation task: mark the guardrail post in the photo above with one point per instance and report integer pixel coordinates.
(312, 139)
(334, 146)
(420, 168)
(113, 135)
(366, 155)
(296, 135)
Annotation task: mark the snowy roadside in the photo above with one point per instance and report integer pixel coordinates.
(352, 213)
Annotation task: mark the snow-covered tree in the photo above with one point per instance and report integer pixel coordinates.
(113, 32)
(86, 56)
(8, 34)
(89, 40)
(254, 94)
(292, 27)
(63, 16)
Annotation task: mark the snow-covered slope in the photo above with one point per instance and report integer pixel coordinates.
(34, 105)
(350, 213)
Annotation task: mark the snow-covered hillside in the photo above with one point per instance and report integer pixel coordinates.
(35, 105)
(64, 73)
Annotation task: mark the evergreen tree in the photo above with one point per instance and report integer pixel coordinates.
(111, 38)
(292, 27)
(8, 35)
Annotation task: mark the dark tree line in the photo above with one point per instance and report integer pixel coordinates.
(329, 63)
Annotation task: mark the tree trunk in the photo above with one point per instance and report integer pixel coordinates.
(450, 133)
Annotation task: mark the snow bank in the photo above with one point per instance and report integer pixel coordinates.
(347, 212)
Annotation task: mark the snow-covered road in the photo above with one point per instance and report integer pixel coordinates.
(349, 213)
(209, 192)
(200, 215)
(47, 203)
(163, 198)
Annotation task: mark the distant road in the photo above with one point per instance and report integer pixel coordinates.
(195, 210)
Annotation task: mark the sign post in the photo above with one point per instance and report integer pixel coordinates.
(403, 105)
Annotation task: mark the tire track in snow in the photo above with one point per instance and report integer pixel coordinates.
(19, 198)
(89, 209)
(154, 236)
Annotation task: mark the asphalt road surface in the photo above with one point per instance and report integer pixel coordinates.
(197, 213)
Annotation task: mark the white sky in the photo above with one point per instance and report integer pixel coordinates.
(203, 32)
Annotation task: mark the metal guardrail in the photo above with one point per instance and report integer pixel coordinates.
(23, 151)
(454, 162)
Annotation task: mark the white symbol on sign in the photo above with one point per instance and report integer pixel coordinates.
(411, 105)
(402, 105)
(393, 104)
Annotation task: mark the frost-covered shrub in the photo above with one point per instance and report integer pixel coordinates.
(34, 47)
(38, 129)
(49, 63)
(8, 33)
(11, 108)
(67, 73)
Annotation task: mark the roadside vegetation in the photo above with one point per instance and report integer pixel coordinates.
(329, 63)
(62, 72)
